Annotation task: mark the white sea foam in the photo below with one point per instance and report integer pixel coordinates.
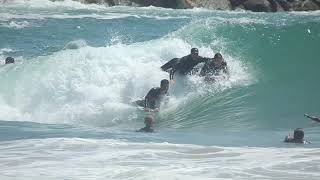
(306, 13)
(165, 17)
(86, 83)
(113, 159)
(105, 15)
(92, 85)
(61, 9)
(76, 44)
(70, 4)
(41, 16)
(16, 24)
(5, 50)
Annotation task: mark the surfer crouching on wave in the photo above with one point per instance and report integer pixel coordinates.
(148, 121)
(298, 136)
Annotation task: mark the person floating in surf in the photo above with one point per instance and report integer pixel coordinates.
(298, 136)
(184, 65)
(9, 60)
(312, 118)
(154, 97)
(148, 121)
(214, 67)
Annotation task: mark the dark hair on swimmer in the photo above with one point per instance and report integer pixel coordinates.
(194, 50)
(148, 120)
(217, 55)
(164, 82)
(298, 134)
(9, 60)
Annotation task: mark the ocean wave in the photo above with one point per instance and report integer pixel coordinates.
(45, 4)
(5, 50)
(32, 16)
(16, 24)
(76, 44)
(125, 160)
(93, 84)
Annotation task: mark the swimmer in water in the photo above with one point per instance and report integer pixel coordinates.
(298, 136)
(148, 121)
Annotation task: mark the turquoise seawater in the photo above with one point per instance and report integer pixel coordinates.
(65, 105)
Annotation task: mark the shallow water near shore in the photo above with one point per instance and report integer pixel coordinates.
(65, 110)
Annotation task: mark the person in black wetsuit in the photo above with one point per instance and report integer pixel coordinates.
(215, 66)
(9, 60)
(314, 118)
(169, 65)
(148, 121)
(298, 136)
(184, 65)
(156, 95)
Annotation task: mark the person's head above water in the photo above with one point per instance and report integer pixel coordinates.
(218, 56)
(194, 52)
(148, 121)
(9, 60)
(164, 85)
(218, 59)
(298, 134)
(298, 137)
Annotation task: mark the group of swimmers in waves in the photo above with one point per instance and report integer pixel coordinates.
(185, 66)
(212, 68)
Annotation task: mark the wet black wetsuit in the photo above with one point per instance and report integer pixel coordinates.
(186, 64)
(154, 98)
(313, 118)
(9, 60)
(146, 129)
(170, 65)
(210, 69)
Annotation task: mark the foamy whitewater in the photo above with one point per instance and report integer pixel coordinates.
(65, 105)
